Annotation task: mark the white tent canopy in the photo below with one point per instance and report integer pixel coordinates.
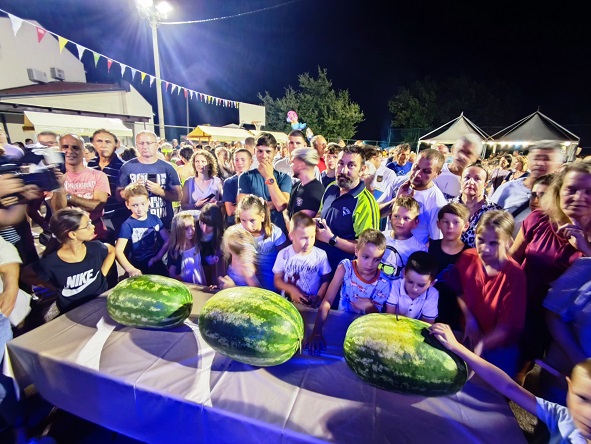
(221, 134)
(69, 123)
(452, 131)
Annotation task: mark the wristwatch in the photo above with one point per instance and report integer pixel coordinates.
(333, 241)
(270, 181)
(68, 197)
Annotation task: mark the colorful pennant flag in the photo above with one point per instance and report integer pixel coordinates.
(133, 71)
(81, 50)
(173, 88)
(152, 81)
(122, 68)
(109, 63)
(166, 86)
(185, 92)
(97, 57)
(62, 42)
(16, 23)
(143, 76)
(40, 34)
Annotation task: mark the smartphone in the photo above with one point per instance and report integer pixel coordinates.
(211, 196)
(153, 177)
(319, 224)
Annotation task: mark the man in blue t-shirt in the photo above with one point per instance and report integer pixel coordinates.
(266, 182)
(160, 178)
(401, 166)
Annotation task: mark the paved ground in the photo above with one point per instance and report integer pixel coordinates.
(69, 429)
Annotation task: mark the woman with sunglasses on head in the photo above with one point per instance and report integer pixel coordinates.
(73, 265)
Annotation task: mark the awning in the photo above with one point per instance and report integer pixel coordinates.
(279, 137)
(67, 123)
(220, 134)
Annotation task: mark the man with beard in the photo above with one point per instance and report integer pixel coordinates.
(420, 185)
(347, 208)
(466, 151)
(115, 212)
(307, 192)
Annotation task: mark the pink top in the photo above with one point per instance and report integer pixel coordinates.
(83, 184)
(547, 255)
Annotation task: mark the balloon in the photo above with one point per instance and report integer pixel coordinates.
(292, 117)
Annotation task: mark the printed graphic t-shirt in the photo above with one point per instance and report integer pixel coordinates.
(78, 282)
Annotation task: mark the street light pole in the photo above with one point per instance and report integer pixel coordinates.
(161, 131)
(155, 13)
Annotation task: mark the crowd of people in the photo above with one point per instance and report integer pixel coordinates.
(494, 249)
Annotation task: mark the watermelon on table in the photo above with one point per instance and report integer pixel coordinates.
(150, 301)
(397, 353)
(252, 325)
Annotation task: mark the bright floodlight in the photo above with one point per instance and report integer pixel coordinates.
(164, 8)
(145, 3)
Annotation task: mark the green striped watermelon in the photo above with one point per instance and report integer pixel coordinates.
(252, 325)
(397, 353)
(150, 301)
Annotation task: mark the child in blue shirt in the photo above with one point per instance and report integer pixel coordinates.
(571, 424)
(363, 287)
(149, 238)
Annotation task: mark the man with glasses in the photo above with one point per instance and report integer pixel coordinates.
(115, 213)
(82, 187)
(159, 177)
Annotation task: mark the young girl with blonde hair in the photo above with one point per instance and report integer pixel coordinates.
(184, 255)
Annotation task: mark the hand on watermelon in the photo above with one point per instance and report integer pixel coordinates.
(446, 336)
(315, 343)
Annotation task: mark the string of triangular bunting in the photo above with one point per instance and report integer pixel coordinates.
(17, 22)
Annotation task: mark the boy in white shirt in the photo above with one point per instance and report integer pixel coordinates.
(414, 296)
(399, 240)
(302, 270)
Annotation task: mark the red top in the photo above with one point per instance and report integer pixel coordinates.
(321, 165)
(547, 255)
(493, 300)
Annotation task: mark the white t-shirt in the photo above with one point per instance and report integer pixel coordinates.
(8, 255)
(448, 183)
(404, 248)
(511, 195)
(382, 179)
(423, 306)
(303, 271)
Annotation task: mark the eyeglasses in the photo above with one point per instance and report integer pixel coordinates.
(87, 227)
(74, 147)
(535, 195)
(146, 143)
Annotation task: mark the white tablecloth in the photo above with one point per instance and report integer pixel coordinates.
(170, 386)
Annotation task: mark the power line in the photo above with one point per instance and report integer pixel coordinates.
(230, 16)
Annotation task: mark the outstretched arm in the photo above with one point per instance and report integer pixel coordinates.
(487, 372)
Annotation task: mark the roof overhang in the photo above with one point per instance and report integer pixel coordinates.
(218, 133)
(67, 123)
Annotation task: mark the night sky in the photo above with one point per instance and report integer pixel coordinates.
(369, 47)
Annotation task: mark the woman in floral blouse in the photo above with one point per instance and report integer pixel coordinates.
(474, 179)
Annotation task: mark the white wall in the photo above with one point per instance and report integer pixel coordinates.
(23, 51)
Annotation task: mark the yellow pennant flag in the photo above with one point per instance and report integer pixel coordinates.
(62, 42)
(143, 76)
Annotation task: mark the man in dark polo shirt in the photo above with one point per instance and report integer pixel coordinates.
(307, 193)
(266, 182)
(115, 212)
(347, 209)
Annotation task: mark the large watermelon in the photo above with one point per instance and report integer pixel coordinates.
(397, 353)
(150, 301)
(252, 325)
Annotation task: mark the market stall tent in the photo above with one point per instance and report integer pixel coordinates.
(221, 134)
(279, 136)
(81, 125)
(534, 128)
(450, 132)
